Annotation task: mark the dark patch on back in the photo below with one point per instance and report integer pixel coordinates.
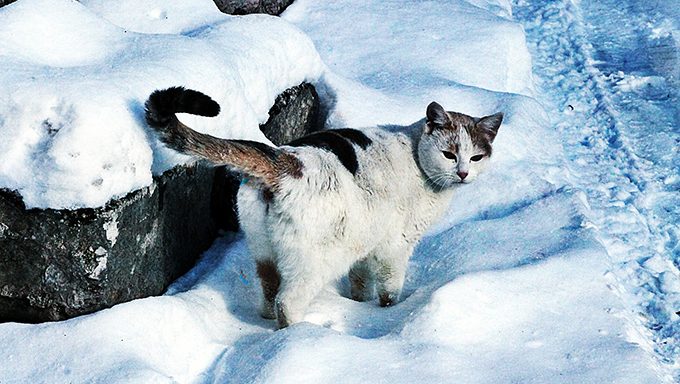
(355, 136)
(341, 147)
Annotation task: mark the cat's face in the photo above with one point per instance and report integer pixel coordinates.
(455, 148)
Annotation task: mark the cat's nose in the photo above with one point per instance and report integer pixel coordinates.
(462, 175)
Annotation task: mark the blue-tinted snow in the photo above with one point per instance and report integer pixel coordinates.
(523, 281)
(616, 107)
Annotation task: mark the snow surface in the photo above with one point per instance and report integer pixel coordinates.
(72, 132)
(615, 96)
(520, 283)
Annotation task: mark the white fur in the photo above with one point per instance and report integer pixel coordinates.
(319, 226)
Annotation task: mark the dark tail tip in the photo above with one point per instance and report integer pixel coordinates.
(163, 104)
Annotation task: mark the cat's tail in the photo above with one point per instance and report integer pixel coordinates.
(258, 160)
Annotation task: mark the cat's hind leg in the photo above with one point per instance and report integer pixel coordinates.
(390, 271)
(253, 206)
(294, 297)
(305, 270)
(270, 279)
(361, 281)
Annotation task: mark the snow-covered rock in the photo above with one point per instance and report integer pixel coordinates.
(59, 263)
(72, 133)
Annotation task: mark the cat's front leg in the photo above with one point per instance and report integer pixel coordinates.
(390, 272)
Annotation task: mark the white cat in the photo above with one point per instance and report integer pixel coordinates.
(337, 200)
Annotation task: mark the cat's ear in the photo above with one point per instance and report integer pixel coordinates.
(436, 117)
(488, 125)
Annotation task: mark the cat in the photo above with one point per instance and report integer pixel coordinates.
(336, 200)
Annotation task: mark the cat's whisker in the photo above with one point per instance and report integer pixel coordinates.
(441, 180)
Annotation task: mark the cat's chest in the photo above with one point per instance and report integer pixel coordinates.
(402, 203)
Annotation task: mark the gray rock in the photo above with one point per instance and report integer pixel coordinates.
(5, 2)
(57, 264)
(244, 7)
(295, 113)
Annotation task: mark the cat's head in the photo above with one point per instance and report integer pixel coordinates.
(455, 148)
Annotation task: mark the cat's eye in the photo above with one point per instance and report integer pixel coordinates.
(476, 157)
(449, 155)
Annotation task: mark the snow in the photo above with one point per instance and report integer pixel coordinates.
(61, 149)
(111, 229)
(539, 273)
(158, 16)
(102, 260)
(626, 122)
(466, 47)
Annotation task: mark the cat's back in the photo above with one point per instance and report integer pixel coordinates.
(374, 159)
(360, 177)
(388, 168)
(352, 183)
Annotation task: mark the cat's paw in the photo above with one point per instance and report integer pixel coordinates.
(267, 312)
(388, 299)
(361, 296)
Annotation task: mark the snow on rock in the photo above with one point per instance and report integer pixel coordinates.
(71, 113)
(158, 16)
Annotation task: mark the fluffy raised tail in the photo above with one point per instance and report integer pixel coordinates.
(265, 163)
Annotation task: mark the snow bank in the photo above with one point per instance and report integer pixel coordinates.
(71, 112)
(512, 286)
(459, 45)
(158, 16)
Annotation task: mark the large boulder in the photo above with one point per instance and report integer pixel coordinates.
(56, 264)
(244, 7)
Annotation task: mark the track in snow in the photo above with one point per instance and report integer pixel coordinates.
(608, 74)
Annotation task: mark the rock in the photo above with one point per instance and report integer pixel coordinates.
(57, 264)
(5, 2)
(294, 114)
(244, 7)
